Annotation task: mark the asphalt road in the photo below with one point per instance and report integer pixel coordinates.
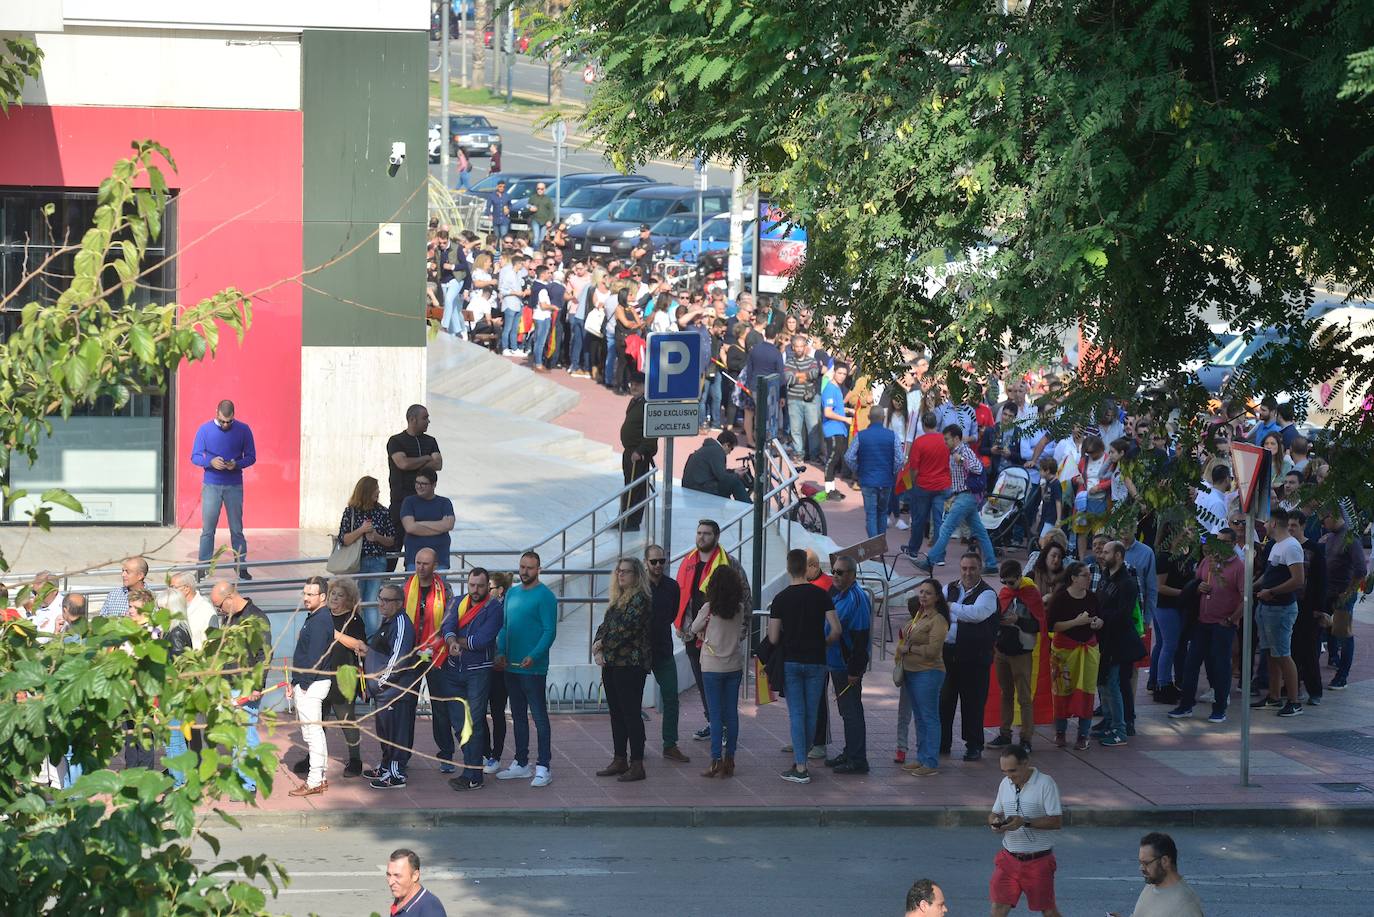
(526, 150)
(764, 872)
(531, 74)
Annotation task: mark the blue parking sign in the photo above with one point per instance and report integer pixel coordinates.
(674, 366)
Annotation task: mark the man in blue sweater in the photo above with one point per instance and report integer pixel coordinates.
(531, 623)
(470, 628)
(875, 455)
(223, 447)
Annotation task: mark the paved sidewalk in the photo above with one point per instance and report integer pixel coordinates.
(1173, 770)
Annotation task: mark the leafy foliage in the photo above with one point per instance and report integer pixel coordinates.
(20, 60)
(96, 340)
(117, 842)
(1132, 169)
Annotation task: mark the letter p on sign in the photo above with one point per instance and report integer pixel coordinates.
(674, 366)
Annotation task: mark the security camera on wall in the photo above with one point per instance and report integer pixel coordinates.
(398, 152)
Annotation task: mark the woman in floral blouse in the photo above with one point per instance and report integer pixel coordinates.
(365, 517)
(622, 650)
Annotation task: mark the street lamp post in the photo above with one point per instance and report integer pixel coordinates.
(445, 18)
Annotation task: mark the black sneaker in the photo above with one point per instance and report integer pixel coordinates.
(973, 754)
(1291, 709)
(1265, 702)
(836, 761)
(465, 783)
(376, 773)
(388, 781)
(353, 769)
(702, 734)
(1337, 684)
(1000, 742)
(244, 574)
(850, 767)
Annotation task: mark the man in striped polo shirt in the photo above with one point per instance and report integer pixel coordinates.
(1026, 810)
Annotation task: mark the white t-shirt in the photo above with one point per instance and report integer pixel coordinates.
(480, 300)
(1283, 554)
(1066, 455)
(1093, 474)
(1037, 799)
(662, 321)
(1178, 900)
(1211, 509)
(543, 306)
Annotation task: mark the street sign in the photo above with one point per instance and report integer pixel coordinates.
(589, 74)
(674, 361)
(671, 418)
(1250, 465)
(560, 132)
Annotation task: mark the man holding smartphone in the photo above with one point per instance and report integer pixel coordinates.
(1027, 807)
(223, 447)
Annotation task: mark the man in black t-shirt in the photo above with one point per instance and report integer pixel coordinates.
(408, 453)
(797, 620)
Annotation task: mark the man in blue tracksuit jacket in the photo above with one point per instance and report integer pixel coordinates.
(393, 668)
(470, 628)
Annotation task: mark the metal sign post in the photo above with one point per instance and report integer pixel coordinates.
(1251, 464)
(699, 164)
(672, 394)
(560, 137)
(445, 19)
(765, 398)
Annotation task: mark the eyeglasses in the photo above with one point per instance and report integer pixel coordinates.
(624, 571)
(224, 424)
(655, 561)
(1146, 864)
(388, 600)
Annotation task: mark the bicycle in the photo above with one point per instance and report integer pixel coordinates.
(805, 510)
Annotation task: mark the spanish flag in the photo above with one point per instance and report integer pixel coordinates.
(687, 572)
(1042, 685)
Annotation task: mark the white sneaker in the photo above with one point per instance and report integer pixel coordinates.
(491, 765)
(542, 777)
(903, 525)
(1207, 697)
(515, 772)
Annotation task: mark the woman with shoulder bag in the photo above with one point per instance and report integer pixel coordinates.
(365, 519)
(622, 648)
(722, 626)
(628, 320)
(594, 327)
(921, 653)
(350, 645)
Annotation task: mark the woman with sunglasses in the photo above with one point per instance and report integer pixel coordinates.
(1074, 624)
(622, 648)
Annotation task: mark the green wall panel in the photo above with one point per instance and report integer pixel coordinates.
(360, 92)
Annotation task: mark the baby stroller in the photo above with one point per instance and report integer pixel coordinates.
(1005, 503)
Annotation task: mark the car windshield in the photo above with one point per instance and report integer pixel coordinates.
(458, 123)
(1239, 350)
(591, 196)
(524, 187)
(488, 184)
(679, 225)
(642, 209)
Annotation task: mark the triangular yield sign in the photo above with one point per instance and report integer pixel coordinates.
(1246, 461)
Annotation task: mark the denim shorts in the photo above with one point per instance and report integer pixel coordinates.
(1276, 628)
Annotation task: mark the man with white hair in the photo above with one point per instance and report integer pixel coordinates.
(133, 574)
(200, 614)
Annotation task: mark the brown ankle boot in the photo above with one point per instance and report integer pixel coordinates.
(714, 770)
(728, 768)
(616, 767)
(634, 772)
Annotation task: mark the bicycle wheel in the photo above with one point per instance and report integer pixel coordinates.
(809, 513)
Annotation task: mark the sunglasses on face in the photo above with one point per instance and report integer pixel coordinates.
(654, 561)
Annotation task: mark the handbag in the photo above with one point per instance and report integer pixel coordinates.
(898, 673)
(345, 558)
(1342, 623)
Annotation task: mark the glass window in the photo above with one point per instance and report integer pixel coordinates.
(642, 209)
(113, 460)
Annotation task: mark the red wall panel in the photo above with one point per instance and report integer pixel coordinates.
(238, 224)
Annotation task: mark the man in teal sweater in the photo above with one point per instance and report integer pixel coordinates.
(522, 651)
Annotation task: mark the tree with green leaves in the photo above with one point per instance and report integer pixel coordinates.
(1131, 170)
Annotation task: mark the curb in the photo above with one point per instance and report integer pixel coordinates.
(814, 816)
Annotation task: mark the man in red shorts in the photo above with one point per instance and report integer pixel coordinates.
(1027, 808)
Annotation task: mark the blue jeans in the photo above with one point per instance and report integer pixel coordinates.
(875, 509)
(708, 406)
(927, 509)
(1210, 646)
(501, 229)
(464, 180)
(608, 371)
(1164, 657)
(527, 700)
(923, 692)
(536, 233)
(804, 683)
(510, 329)
(252, 739)
(575, 335)
(176, 745)
(472, 685)
(212, 497)
(1113, 706)
(453, 321)
(1342, 649)
(722, 704)
(965, 508)
(804, 423)
(541, 341)
(368, 589)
